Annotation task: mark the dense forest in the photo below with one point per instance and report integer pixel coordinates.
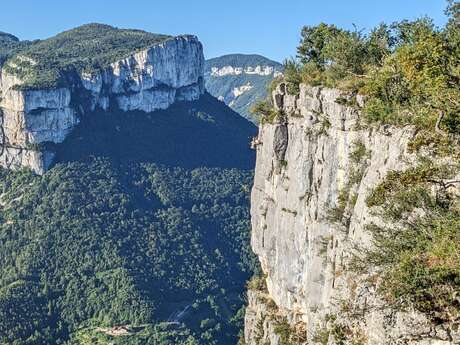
(409, 75)
(142, 224)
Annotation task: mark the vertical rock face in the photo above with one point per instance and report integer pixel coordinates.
(151, 79)
(148, 80)
(302, 167)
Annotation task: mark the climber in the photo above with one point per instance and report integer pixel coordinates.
(255, 142)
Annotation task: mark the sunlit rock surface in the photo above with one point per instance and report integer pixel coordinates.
(148, 80)
(303, 162)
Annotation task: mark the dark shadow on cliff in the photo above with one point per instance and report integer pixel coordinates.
(188, 134)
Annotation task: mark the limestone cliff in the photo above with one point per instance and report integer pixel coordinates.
(155, 78)
(303, 164)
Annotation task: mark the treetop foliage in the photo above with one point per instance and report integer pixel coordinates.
(408, 70)
(142, 217)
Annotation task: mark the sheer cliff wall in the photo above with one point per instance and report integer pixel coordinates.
(304, 164)
(32, 121)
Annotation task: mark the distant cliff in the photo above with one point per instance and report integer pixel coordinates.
(39, 109)
(139, 230)
(316, 166)
(240, 80)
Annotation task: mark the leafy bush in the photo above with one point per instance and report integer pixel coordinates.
(266, 112)
(415, 84)
(333, 56)
(284, 331)
(8, 43)
(358, 153)
(258, 283)
(422, 174)
(408, 70)
(418, 254)
(292, 76)
(333, 329)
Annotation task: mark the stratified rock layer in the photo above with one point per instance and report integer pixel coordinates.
(149, 80)
(302, 166)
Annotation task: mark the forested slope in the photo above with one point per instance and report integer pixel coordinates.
(143, 222)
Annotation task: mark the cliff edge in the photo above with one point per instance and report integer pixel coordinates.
(35, 118)
(316, 165)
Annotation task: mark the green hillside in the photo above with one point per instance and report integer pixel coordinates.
(241, 60)
(8, 42)
(143, 223)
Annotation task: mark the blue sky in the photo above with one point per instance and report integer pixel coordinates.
(267, 27)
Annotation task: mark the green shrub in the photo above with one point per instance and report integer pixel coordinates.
(408, 70)
(207, 323)
(339, 332)
(259, 331)
(336, 214)
(438, 143)
(418, 254)
(325, 125)
(258, 283)
(292, 76)
(285, 332)
(358, 152)
(396, 181)
(420, 265)
(266, 112)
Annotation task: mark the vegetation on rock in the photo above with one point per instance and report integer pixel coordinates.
(408, 71)
(417, 252)
(44, 64)
(409, 74)
(8, 42)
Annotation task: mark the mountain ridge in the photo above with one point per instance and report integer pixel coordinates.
(240, 80)
(124, 196)
(241, 60)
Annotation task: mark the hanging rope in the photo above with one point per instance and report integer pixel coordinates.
(2, 135)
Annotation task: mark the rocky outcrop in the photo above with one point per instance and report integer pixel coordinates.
(256, 70)
(302, 166)
(148, 80)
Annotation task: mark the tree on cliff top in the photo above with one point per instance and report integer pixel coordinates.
(409, 70)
